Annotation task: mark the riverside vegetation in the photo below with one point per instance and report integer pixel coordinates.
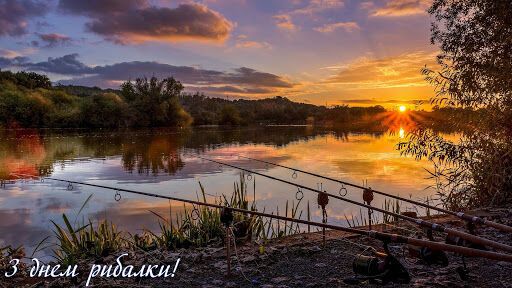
(29, 100)
(197, 226)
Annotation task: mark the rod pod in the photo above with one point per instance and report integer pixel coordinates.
(422, 223)
(381, 236)
(461, 215)
(226, 218)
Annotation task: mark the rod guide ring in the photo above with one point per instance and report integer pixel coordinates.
(299, 195)
(117, 196)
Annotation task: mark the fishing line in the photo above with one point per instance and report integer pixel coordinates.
(460, 215)
(417, 221)
(384, 237)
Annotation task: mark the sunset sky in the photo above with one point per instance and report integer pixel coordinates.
(316, 51)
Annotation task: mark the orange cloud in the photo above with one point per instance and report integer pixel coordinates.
(316, 6)
(347, 26)
(395, 8)
(284, 21)
(9, 53)
(391, 72)
(253, 44)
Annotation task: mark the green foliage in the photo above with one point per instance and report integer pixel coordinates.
(156, 102)
(86, 241)
(28, 100)
(277, 110)
(105, 110)
(229, 115)
(202, 226)
(29, 80)
(195, 227)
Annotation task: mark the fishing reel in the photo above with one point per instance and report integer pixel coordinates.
(379, 268)
(428, 255)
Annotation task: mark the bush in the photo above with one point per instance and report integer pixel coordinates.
(105, 110)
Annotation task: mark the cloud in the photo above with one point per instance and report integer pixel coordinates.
(253, 44)
(10, 62)
(391, 72)
(395, 8)
(243, 42)
(367, 5)
(284, 22)
(65, 65)
(379, 102)
(10, 58)
(250, 76)
(9, 53)
(237, 81)
(53, 40)
(347, 26)
(136, 21)
(14, 15)
(315, 6)
(94, 8)
(228, 90)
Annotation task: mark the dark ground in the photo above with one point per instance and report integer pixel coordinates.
(301, 261)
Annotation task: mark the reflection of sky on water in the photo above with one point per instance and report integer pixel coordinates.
(27, 208)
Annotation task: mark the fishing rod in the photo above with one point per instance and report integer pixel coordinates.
(381, 236)
(461, 215)
(433, 226)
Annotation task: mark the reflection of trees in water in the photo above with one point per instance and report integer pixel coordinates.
(146, 151)
(160, 154)
(19, 155)
(277, 136)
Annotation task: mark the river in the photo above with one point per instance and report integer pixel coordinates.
(165, 162)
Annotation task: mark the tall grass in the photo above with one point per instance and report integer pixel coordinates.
(86, 241)
(196, 226)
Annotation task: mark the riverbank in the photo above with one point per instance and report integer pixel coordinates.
(298, 261)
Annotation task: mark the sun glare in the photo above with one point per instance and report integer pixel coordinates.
(402, 108)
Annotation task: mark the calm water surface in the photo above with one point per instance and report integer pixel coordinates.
(166, 162)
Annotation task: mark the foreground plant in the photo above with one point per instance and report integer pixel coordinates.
(87, 241)
(199, 226)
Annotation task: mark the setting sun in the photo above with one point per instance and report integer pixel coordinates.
(402, 108)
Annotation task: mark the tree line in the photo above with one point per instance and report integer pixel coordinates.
(28, 99)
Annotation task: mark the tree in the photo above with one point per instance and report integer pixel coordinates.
(28, 80)
(229, 115)
(475, 71)
(156, 102)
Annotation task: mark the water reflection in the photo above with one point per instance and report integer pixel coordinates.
(166, 162)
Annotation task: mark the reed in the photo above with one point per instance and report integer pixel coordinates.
(196, 226)
(86, 241)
